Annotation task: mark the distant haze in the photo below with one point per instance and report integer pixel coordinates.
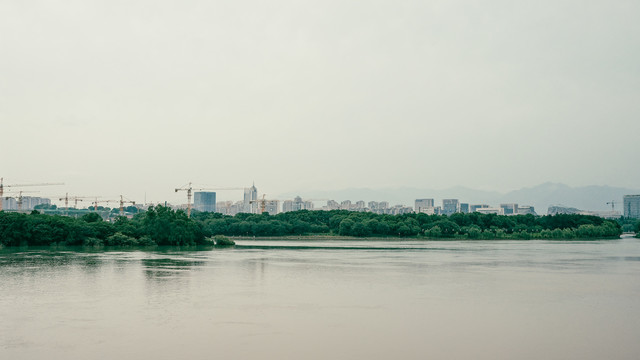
(541, 196)
(138, 98)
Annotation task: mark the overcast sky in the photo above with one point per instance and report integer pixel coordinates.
(133, 97)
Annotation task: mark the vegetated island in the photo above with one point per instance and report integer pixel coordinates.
(161, 225)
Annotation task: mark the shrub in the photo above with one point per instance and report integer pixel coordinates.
(221, 240)
(146, 241)
(120, 239)
(92, 241)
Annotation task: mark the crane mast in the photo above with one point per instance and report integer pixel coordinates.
(189, 189)
(2, 186)
(75, 199)
(122, 201)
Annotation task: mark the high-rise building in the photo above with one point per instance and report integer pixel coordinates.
(9, 203)
(204, 201)
(631, 204)
(464, 208)
(296, 204)
(250, 199)
(292, 205)
(509, 209)
(332, 205)
(423, 205)
(449, 206)
(271, 207)
(28, 203)
(346, 205)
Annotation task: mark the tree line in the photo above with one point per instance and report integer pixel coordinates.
(458, 225)
(161, 225)
(157, 226)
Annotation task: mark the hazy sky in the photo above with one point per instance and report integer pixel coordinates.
(127, 97)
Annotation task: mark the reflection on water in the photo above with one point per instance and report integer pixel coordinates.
(325, 299)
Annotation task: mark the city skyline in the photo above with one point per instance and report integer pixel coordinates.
(450, 201)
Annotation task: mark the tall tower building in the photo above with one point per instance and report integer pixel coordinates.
(631, 204)
(204, 201)
(449, 206)
(250, 198)
(423, 205)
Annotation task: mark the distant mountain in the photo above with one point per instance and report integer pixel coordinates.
(540, 196)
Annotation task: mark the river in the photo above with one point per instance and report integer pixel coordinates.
(325, 300)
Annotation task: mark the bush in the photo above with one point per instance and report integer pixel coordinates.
(473, 231)
(120, 239)
(146, 241)
(93, 242)
(221, 240)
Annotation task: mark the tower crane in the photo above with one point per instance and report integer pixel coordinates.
(19, 198)
(612, 203)
(96, 202)
(262, 202)
(122, 201)
(2, 186)
(189, 189)
(75, 199)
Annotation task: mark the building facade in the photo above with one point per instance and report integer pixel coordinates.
(509, 209)
(204, 201)
(474, 208)
(424, 205)
(296, 204)
(631, 204)
(464, 208)
(250, 199)
(449, 206)
(28, 203)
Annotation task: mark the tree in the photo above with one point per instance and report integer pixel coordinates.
(434, 232)
(472, 231)
(447, 227)
(360, 229)
(91, 217)
(346, 227)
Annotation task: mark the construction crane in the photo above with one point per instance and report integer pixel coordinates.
(19, 198)
(122, 201)
(189, 189)
(75, 199)
(2, 186)
(96, 202)
(262, 203)
(613, 204)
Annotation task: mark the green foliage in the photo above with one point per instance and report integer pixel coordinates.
(221, 240)
(146, 240)
(472, 231)
(91, 217)
(119, 239)
(163, 226)
(45, 207)
(168, 227)
(93, 242)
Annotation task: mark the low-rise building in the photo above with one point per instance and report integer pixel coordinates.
(488, 210)
(474, 208)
